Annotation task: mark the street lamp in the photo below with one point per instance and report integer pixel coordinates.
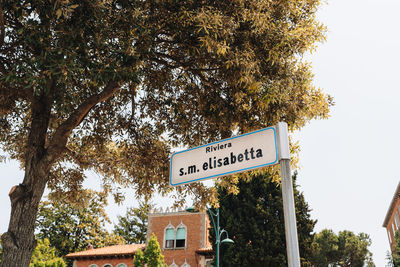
(218, 231)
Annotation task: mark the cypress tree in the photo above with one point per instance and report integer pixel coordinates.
(254, 220)
(152, 257)
(396, 250)
(139, 259)
(153, 253)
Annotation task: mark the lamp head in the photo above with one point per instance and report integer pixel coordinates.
(227, 241)
(191, 209)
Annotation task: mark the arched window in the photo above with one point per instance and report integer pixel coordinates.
(181, 236)
(169, 236)
(122, 265)
(107, 265)
(185, 264)
(93, 265)
(173, 264)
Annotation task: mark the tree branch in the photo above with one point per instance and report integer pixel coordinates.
(186, 65)
(2, 30)
(60, 137)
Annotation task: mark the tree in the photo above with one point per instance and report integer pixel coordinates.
(1, 250)
(394, 257)
(389, 259)
(153, 253)
(70, 228)
(111, 86)
(152, 256)
(45, 256)
(325, 248)
(133, 226)
(345, 249)
(139, 260)
(254, 220)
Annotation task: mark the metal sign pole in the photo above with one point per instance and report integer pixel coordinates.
(292, 244)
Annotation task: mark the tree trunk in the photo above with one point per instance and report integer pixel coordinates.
(19, 241)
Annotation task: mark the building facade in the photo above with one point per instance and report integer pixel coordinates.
(183, 238)
(112, 256)
(392, 219)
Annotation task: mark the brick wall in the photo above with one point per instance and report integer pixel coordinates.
(392, 225)
(197, 235)
(197, 225)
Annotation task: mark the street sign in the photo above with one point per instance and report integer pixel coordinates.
(242, 153)
(236, 154)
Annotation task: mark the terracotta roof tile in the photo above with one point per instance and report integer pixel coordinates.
(205, 249)
(108, 251)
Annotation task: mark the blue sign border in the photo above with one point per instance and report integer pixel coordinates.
(226, 173)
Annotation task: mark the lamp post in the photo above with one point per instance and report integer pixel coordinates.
(218, 231)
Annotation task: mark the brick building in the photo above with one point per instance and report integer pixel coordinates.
(113, 256)
(392, 219)
(183, 238)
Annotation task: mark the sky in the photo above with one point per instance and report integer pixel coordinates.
(348, 162)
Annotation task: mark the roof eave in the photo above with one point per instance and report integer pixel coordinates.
(391, 207)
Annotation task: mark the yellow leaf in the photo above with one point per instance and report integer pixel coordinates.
(59, 13)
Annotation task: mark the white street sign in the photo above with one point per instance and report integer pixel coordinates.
(236, 154)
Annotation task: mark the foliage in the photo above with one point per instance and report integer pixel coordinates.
(396, 251)
(345, 249)
(45, 256)
(113, 77)
(153, 253)
(139, 260)
(325, 248)
(389, 259)
(72, 228)
(152, 256)
(111, 86)
(254, 220)
(133, 226)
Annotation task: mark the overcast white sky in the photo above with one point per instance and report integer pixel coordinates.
(349, 162)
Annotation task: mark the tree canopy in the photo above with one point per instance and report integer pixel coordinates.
(345, 249)
(112, 85)
(133, 226)
(45, 256)
(254, 220)
(393, 257)
(71, 228)
(187, 70)
(396, 250)
(1, 250)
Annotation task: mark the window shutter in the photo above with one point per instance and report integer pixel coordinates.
(181, 233)
(170, 234)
